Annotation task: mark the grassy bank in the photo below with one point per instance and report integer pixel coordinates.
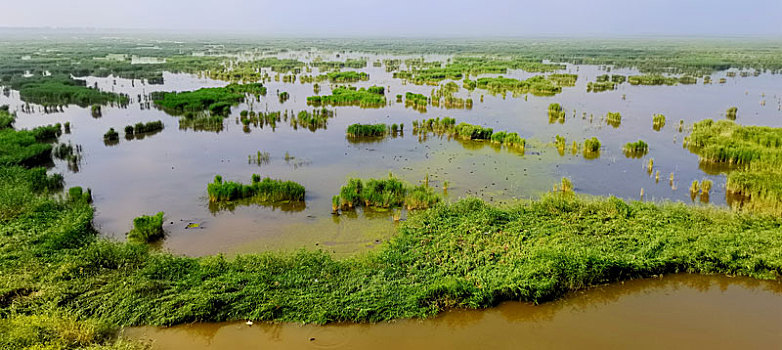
(61, 286)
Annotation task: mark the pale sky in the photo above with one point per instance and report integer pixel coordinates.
(407, 17)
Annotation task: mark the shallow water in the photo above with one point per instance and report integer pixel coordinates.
(677, 311)
(169, 171)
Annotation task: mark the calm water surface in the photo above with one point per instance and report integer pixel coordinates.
(169, 171)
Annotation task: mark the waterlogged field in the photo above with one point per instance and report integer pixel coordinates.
(169, 170)
(155, 183)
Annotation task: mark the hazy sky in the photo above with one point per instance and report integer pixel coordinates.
(407, 17)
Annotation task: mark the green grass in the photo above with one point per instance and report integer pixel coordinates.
(143, 128)
(635, 149)
(347, 96)
(345, 77)
(367, 130)
(652, 79)
(591, 145)
(147, 229)
(731, 113)
(556, 113)
(658, 122)
(384, 193)
(217, 100)
(62, 90)
(614, 119)
(263, 190)
(537, 85)
(7, 119)
(753, 154)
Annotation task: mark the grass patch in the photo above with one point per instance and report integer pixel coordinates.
(262, 190)
(147, 229)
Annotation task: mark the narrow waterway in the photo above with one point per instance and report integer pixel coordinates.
(677, 311)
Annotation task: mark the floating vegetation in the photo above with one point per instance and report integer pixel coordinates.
(463, 131)
(69, 153)
(201, 122)
(560, 143)
(348, 63)
(753, 153)
(537, 85)
(147, 229)
(731, 113)
(111, 136)
(509, 139)
(283, 96)
(605, 83)
(260, 158)
(384, 193)
(651, 79)
(591, 148)
(367, 130)
(658, 122)
(563, 79)
(444, 96)
(216, 100)
(372, 97)
(464, 66)
(416, 101)
(63, 90)
(139, 129)
(614, 119)
(556, 113)
(313, 121)
(345, 77)
(636, 149)
(97, 112)
(263, 191)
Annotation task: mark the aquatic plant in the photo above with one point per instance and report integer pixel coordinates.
(416, 101)
(387, 192)
(217, 101)
(345, 77)
(591, 145)
(651, 79)
(614, 119)
(261, 190)
(346, 96)
(147, 229)
(636, 149)
(560, 143)
(59, 89)
(658, 122)
(143, 128)
(556, 113)
(731, 113)
(367, 130)
(472, 132)
(111, 135)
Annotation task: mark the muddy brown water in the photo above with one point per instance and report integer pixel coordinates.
(673, 312)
